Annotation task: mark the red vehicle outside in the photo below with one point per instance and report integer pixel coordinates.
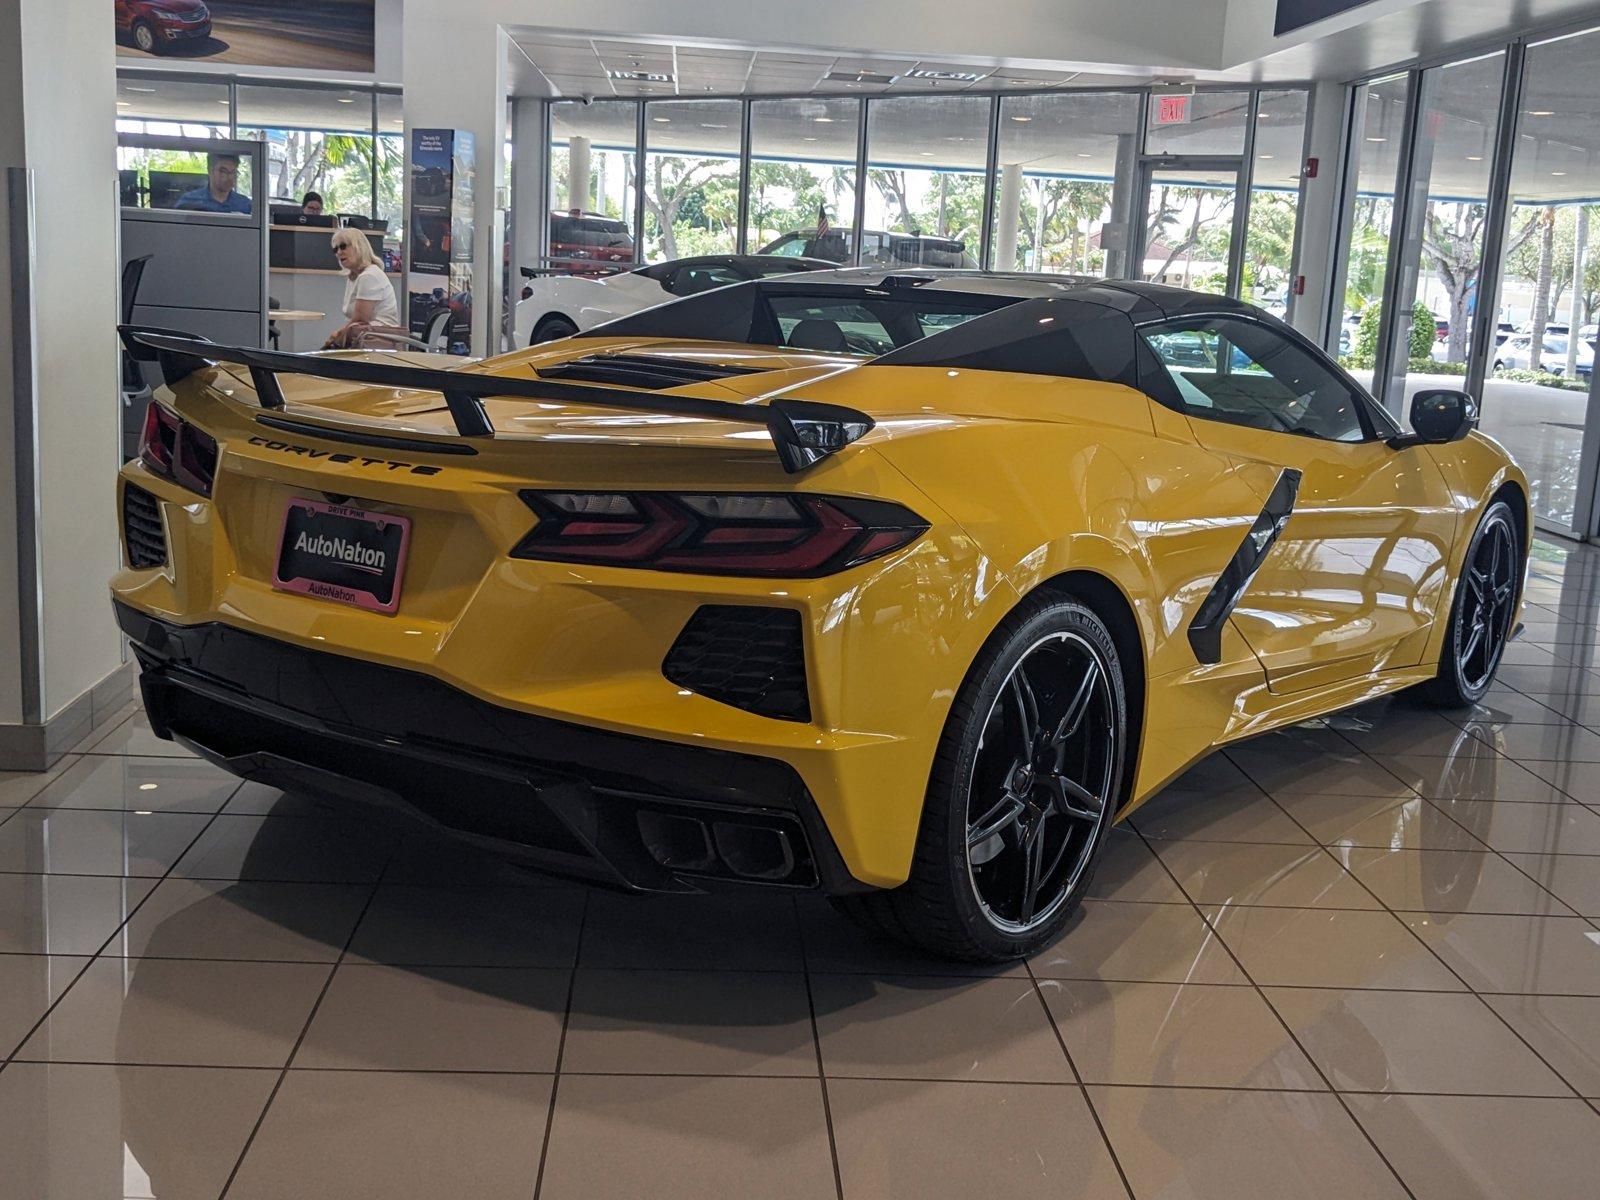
(589, 237)
(156, 26)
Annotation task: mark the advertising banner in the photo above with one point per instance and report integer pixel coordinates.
(439, 241)
(330, 35)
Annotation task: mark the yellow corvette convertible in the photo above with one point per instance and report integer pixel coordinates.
(900, 586)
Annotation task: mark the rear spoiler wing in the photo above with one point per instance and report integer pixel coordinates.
(804, 431)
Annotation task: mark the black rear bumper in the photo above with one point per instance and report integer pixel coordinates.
(570, 799)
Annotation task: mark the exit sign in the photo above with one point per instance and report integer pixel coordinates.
(1173, 110)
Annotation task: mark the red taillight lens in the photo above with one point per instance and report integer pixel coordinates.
(715, 533)
(174, 449)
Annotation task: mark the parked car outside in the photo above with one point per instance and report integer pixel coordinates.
(577, 238)
(878, 249)
(1515, 353)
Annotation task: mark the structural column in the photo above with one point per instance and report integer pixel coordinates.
(1008, 201)
(1319, 216)
(60, 652)
(528, 213)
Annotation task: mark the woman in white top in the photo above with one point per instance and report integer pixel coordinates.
(369, 303)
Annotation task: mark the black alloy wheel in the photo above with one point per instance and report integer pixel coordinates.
(1481, 613)
(1490, 580)
(1029, 773)
(1041, 783)
(552, 329)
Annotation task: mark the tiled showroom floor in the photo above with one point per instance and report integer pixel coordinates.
(1356, 959)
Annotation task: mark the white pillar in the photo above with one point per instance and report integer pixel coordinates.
(456, 77)
(578, 173)
(1319, 213)
(528, 211)
(1009, 205)
(60, 652)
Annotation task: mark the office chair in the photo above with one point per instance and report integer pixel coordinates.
(434, 338)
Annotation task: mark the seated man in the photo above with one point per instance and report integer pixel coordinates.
(217, 194)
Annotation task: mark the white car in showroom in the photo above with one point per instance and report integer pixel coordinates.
(557, 304)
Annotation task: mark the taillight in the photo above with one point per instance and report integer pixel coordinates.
(716, 533)
(174, 449)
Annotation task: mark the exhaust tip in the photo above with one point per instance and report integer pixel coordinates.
(755, 851)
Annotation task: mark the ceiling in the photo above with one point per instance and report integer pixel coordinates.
(204, 102)
(572, 65)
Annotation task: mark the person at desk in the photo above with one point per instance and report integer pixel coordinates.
(311, 206)
(369, 303)
(217, 194)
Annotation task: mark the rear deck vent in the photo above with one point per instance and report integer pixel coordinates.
(651, 371)
(142, 531)
(752, 658)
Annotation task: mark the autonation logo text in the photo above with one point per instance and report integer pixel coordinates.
(355, 554)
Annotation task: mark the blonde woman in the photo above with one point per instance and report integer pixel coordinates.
(369, 303)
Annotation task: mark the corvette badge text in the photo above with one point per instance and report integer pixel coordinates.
(387, 464)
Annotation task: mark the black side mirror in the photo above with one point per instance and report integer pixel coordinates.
(1440, 416)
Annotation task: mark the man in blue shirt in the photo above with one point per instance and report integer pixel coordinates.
(217, 195)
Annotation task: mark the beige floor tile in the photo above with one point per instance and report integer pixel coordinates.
(1214, 774)
(1556, 743)
(1449, 1147)
(258, 800)
(134, 736)
(1245, 873)
(19, 787)
(363, 1135)
(1412, 823)
(691, 1023)
(1489, 777)
(733, 932)
(1574, 879)
(436, 859)
(833, 942)
(1562, 681)
(1580, 780)
(1564, 1030)
(1350, 773)
(479, 927)
(1129, 870)
(1530, 828)
(79, 1132)
(171, 1013)
(672, 1138)
(1200, 816)
(905, 1139)
(29, 985)
(1329, 948)
(212, 918)
(1524, 955)
(1412, 1042)
(66, 841)
(64, 914)
(1192, 1142)
(1449, 881)
(936, 1028)
(1391, 728)
(1186, 1035)
(437, 1019)
(1503, 706)
(1157, 943)
(289, 850)
(135, 784)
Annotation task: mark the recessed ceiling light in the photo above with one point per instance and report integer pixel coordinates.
(1022, 118)
(148, 787)
(926, 153)
(1541, 112)
(1377, 139)
(346, 100)
(1266, 156)
(808, 138)
(823, 120)
(1084, 154)
(707, 125)
(954, 76)
(124, 103)
(662, 120)
(134, 88)
(1474, 158)
(1558, 172)
(640, 76)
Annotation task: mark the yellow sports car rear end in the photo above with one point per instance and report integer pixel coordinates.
(673, 612)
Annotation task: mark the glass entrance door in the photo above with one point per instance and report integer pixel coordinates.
(1192, 233)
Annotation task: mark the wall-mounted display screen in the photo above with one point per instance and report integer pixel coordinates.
(1297, 14)
(333, 35)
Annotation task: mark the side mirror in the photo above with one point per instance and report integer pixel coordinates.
(1440, 416)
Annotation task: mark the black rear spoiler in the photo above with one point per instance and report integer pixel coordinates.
(804, 431)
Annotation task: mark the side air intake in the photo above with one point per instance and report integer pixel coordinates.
(653, 371)
(142, 531)
(750, 657)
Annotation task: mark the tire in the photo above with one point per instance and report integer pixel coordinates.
(1491, 574)
(551, 329)
(144, 37)
(965, 897)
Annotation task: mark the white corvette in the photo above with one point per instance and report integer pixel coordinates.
(558, 304)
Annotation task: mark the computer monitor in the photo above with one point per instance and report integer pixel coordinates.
(167, 186)
(291, 214)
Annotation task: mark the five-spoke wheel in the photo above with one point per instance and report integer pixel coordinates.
(1481, 615)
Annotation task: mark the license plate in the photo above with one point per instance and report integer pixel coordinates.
(342, 554)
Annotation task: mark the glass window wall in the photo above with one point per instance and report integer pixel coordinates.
(1274, 214)
(593, 157)
(1377, 130)
(1066, 165)
(691, 189)
(173, 107)
(318, 140)
(926, 172)
(803, 176)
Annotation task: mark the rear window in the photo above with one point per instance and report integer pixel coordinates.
(871, 327)
(588, 231)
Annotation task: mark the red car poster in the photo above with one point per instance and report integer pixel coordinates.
(332, 35)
